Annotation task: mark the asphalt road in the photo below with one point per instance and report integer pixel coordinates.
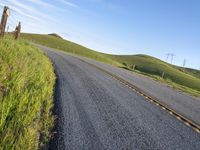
(184, 104)
(96, 112)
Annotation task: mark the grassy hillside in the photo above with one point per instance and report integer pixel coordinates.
(56, 35)
(187, 80)
(26, 89)
(58, 43)
(193, 72)
(155, 66)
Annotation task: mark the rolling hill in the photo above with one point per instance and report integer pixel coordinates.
(193, 72)
(149, 65)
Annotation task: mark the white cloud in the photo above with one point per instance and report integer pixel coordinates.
(69, 3)
(42, 3)
(28, 13)
(19, 11)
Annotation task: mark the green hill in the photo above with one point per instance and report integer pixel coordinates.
(56, 35)
(143, 63)
(55, 42)
(155, 66)
(193, 72)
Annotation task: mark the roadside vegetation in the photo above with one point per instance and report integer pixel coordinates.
(26, 91)
(183, 79)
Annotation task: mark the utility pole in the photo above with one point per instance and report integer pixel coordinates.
(17, 31)
(184, 63)
(172, 57)
(167, 56)
(4, 18)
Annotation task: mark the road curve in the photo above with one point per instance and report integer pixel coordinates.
(96, 112)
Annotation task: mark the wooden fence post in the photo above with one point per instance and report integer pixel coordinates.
(4, 18)
(163, 74)
(134, 67)
(17, 31)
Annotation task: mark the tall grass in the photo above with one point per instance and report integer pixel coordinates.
(26, 89)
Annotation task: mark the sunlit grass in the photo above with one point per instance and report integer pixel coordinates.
(26, 91)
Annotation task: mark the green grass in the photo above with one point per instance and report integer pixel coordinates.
(58, 43)
(55, 35)
(147, 65)
(172, 84)
(26, 90)
(193, 72)
(155, 66)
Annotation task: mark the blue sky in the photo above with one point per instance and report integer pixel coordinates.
(153, 27)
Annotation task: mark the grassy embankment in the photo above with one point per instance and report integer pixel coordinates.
(187, 81)
(26, 91)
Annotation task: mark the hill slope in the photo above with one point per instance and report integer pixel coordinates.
(193, 72)
(144, 63)
(54, 42)
(155, 66)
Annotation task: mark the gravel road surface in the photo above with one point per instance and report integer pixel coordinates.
(96, 112)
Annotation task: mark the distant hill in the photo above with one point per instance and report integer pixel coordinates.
(154, 66)
(55, 35)
(193, 72)
(144, 63)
